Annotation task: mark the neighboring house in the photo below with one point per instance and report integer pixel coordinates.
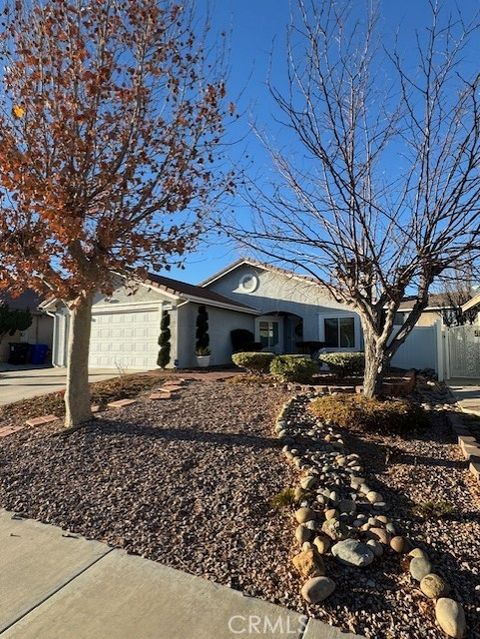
(438, 304)
(41, 329)
(474, 303)
(278, 307)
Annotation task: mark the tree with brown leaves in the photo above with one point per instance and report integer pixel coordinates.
(111, 119)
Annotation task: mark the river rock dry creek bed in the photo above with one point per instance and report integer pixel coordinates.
(188, 482)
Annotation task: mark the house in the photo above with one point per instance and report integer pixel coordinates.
(439, 304)
(126, 324)
(41, 329)
(280, 309)
(283, 311)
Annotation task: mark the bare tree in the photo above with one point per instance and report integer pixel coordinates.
(386, 193)
(458, 289)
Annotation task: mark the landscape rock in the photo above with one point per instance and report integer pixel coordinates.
(376, 547)
(451, 617)
(336, 530)
(322, 543)
(399, 544)
(380, 534)
(309, 563)
(352, 552)
(373, 497)
(303, 534)
(433, 586)
(304, 514)
(420, 567)
(317, 589)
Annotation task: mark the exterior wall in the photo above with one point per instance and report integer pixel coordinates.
(277, 292)
(220, 323)
(123, 298)
(429, 318)
(127, 295)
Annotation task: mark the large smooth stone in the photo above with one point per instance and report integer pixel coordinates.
(304, 514)
(317, 589)
(433, 586)
(352, 552)
(303, 534)
(374, 497)
(451, 617)
(322, 543)
(420, 567)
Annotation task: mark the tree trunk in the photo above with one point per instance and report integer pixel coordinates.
(77, 394)
(376, 363)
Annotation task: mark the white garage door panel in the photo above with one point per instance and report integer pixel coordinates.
(125, 339)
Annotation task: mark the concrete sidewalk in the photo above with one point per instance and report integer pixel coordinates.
(59, 586)
(467, 394)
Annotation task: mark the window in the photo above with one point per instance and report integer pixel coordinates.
(340, 332)
(268, 332)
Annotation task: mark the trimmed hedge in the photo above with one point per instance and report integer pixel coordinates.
(253, 362)
(344, 364)
(356, 412)
(293, 368)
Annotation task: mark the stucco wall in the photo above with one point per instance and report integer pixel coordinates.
(276, 292)
(220, 323)
(128, 295)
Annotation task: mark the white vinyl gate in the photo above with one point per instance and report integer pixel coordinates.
(463, 351)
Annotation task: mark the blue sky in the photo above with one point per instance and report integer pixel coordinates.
(258, 27)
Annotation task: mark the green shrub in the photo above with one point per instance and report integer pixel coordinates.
(344, 364)
(356, 412)
(293, 368)
(202, 337)
(164, 341)
(253, 362)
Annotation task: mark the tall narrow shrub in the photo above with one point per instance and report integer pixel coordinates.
(202, 336)
(164, 341)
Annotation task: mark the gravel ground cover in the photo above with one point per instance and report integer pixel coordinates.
(434, 503)
(188, 481)
(185, 481)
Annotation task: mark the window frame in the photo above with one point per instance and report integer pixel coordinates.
(338, 319)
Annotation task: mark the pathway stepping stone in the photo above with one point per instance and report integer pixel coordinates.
(160, 395)
(121, 403)
(40, 421)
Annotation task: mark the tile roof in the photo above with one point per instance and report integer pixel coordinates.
(183, 289)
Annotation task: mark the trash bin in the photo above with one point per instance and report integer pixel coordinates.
(19, 352)
(38, 353)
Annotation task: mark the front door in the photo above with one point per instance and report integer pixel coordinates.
(270, 333)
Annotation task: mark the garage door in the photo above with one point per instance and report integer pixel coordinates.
(125, 339)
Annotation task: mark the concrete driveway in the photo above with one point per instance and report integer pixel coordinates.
(467, 394)
(25, 382)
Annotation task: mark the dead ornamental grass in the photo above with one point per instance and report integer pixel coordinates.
(356, 412)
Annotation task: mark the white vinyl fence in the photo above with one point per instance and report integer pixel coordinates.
(422, 349)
